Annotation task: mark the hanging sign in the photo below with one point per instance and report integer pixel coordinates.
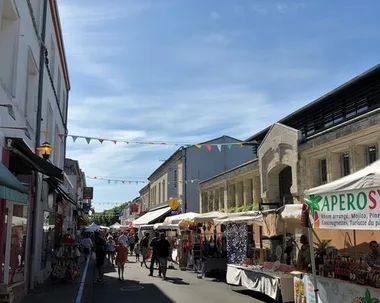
(355, 209)
(174, 204)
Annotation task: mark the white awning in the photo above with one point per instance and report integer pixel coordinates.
(161, 226)
(292, 212)
(177, 219)
(364, 178)
(151, 216)
(248, 217)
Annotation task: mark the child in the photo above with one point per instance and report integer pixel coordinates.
(137, 252)
(121, 258)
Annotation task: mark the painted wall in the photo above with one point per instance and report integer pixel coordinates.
(201, 164)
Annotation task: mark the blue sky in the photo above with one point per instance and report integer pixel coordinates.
(192, 70)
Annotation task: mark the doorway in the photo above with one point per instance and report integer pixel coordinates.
(285, 184)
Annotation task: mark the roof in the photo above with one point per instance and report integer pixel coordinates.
(260, 135)
(145, 188)
(61, 46)
(181, 148)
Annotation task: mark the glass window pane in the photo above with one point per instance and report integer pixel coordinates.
(18, 244)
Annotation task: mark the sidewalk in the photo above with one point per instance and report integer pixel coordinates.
(51, 292)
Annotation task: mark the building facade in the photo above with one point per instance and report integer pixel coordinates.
(332, 137)
(179, 176)
(33, 98)
(144, 196)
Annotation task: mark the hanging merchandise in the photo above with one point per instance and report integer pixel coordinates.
(237, 242)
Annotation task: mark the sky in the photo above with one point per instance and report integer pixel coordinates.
(186, 71)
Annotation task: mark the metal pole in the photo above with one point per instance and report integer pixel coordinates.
(184, 179)
(313, 268)
(34, 215)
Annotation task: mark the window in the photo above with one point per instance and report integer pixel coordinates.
(52, 58)
(159, 193)
(9, 33)
(30, 108)
(371, 154)
(345, 164)
(175, 178)
(329, 120)
(57, 146)
(323, 171)
(163, 191)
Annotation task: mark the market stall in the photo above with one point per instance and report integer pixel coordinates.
(271, 279)
(349, 203)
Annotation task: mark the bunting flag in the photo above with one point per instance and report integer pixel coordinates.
(133, 182)
(209, 146)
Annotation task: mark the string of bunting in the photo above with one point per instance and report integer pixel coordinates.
(208, 146)
(118, 181)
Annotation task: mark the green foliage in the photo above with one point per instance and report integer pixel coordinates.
(109, 216)
(243, 208)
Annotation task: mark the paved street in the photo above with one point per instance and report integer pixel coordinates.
(182, 287)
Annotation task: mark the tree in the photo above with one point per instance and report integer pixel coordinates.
(109, 216)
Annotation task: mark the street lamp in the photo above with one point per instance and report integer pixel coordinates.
(46, 150)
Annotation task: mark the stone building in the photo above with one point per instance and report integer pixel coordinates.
(337, 134)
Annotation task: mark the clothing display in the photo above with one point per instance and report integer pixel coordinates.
(237, 242)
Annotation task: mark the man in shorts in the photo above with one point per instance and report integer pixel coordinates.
(121, 258)
(100, 251)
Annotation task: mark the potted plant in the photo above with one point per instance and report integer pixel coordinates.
(321, 251)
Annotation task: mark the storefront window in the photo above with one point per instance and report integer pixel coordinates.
(2, 251)
(18, 244)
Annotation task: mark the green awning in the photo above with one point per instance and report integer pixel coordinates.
(11, 188)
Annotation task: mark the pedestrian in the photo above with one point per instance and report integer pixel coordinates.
(131, 242)
(137, 252)
(111, 250)
(144, 248)
(100, 251)
(154, 259)
(123, 239)
(163, 248)
(87, 246)
(121, 258)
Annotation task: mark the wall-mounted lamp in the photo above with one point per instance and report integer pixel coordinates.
(25, 129)
(10, 110)
(45, 149)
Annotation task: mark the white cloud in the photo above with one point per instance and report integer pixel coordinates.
(216, 39)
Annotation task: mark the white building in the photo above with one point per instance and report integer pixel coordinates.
(22, 23)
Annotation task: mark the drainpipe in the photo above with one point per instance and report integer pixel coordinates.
(37, 184)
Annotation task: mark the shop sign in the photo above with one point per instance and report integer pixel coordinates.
(88, 193)
(174, 204)
(356, 209)
(332, 290)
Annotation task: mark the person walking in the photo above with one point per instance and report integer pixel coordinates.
(121, 258)
(111, 250)
(87, 246)
(131, 242)
(137, 252)
(163, 249)
(100, 251)
(144, 248)
(154, 259)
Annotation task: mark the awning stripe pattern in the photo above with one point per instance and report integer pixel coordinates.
(11, 188)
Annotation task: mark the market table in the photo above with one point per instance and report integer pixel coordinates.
(275, 285)
(331, 290)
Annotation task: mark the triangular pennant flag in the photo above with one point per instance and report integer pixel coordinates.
(208, 146)
(198, 145)
(74, 138)
(101, 141)
(187, 146)
(127, 142)
(109, 181)
(114, 141)
(123, 182)
(45, 133)
(95, 178)
(88, 140)
(219, 147)
(60, 136)
(229, 145)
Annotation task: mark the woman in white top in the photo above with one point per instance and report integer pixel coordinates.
(111, 250)
(87, 246)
